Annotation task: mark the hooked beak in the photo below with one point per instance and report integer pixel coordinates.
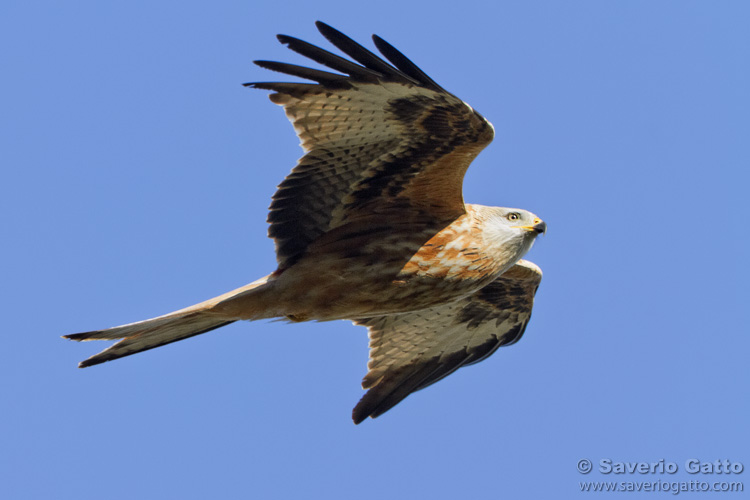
(539, 226)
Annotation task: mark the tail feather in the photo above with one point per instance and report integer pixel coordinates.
(148, 334)
(155, 332)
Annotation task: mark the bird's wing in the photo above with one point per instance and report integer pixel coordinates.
(410, 351)
(379, 138)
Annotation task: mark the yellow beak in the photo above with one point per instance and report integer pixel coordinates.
(539, 226)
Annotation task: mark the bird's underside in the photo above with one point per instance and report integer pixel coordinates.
(371, 226)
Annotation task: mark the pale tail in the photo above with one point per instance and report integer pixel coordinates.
(162, 330)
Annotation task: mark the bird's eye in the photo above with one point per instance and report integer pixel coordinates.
(513, 216)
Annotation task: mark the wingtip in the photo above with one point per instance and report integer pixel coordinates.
(327, 30)
(364, 409)
(250, 85)
(256, 85)
(383, 46)
(358, 417)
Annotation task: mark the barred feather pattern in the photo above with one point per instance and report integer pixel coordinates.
(371, 141)
(413, 350)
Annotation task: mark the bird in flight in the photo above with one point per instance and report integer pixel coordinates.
(370, 226)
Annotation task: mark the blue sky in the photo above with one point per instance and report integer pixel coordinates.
(137, 173)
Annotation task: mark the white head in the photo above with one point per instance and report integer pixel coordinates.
(511, 231)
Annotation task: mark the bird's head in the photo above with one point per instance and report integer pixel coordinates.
(513, 230)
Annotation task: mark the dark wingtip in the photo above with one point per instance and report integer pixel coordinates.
(358, 416)
(404, 64)
(323, 26)
(331, 33)
(285, 39)
(257, 85)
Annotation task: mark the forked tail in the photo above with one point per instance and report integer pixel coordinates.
(162, 330)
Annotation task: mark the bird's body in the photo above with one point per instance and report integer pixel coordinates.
(371, 226)
(373, 267)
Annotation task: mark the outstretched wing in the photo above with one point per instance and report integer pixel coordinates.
(410, 351)
(378, 139)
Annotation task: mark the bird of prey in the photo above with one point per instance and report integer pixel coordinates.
(370, 226)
